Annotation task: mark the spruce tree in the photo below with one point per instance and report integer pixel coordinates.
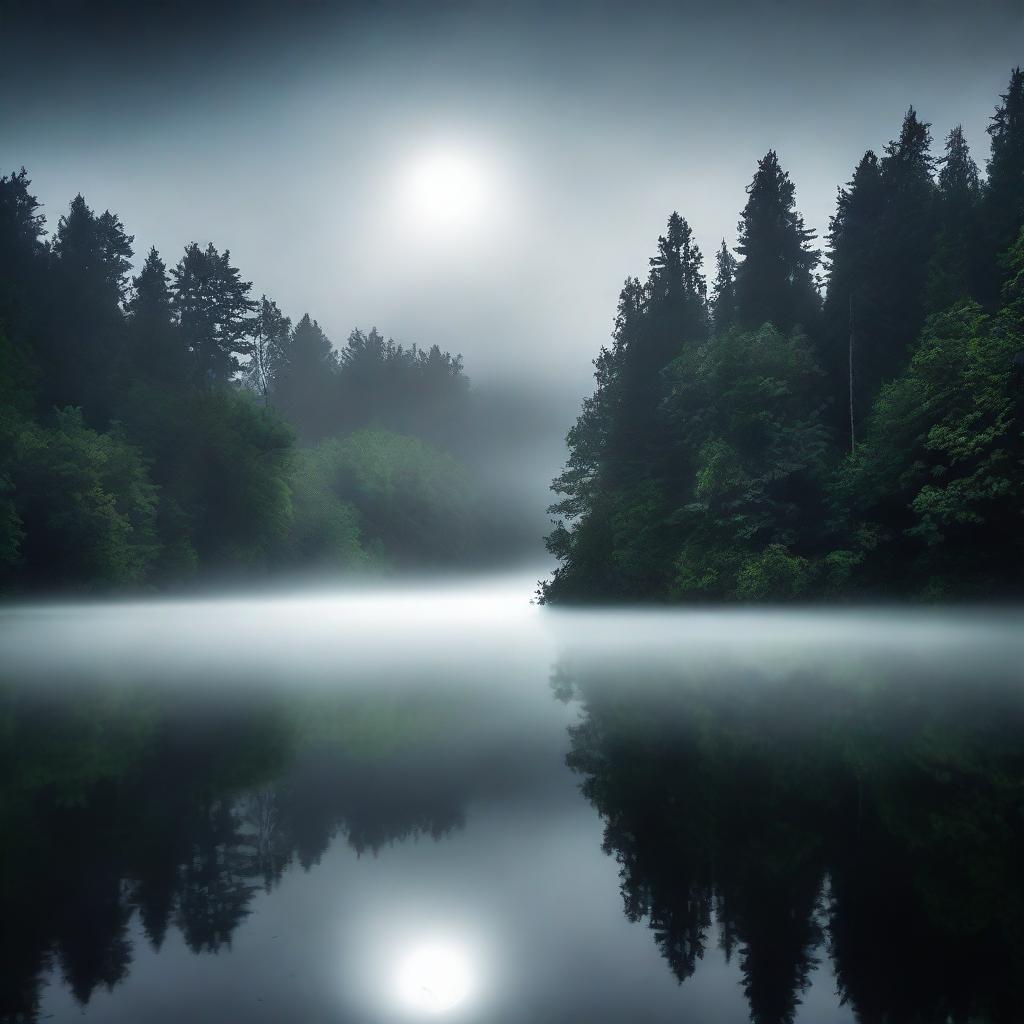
(674, 315)
(213, 309)
(23, 283)
(21, 235)
(723, 304)
(85, 338)
(1004, 189)
(774, 283)
(619, 476)
(853, 316)
(306, 381)
(907, 240)
(156, 350)
(953, 270)
(881, 241)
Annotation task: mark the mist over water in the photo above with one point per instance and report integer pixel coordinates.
(337, 632)
(436, 800)
(310, 350)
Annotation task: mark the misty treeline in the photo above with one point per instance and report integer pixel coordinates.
(817, 425)
(156, 425)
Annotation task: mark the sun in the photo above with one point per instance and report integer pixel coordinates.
(434, 978)
(445, 191)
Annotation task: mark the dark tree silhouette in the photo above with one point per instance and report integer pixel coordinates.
(774, 281)
(214, 311)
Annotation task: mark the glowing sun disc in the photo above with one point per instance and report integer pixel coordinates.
(445, 190)
(434, 978)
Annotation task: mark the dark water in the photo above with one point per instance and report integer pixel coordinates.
(446, 804)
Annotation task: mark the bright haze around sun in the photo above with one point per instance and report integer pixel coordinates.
(478, 175)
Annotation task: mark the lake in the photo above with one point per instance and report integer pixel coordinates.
(442, 802)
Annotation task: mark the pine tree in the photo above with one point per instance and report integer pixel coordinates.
(85, 337)
(723, 304)
(674, 315)
(852, 310)
(306, 381)
(156, 349)
(1004, 189)
(953, 270)
(581, 539)
(620, 451)
(881, 241)
(907, 237)
(268, 348)
(21, 230)
(23, 283)
(213, 310)
(96, 248)
(774, 283)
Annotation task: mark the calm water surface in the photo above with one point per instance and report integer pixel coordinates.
(444, 803)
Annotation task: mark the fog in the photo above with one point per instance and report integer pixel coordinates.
(438, 801)
(287, 139)
(411, 632)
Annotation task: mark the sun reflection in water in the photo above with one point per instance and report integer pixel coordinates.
(434, 977)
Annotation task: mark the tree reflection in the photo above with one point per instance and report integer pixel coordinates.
(792, 816)
(117, 802)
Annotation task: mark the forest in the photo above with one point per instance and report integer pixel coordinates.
(817, 425)
(171, 424)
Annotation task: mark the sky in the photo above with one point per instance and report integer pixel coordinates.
(299, 136)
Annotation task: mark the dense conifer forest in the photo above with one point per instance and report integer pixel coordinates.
(836, 424)
(170, 423)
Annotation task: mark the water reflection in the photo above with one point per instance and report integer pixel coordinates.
(118, 801)
(435, 977)
(815, 831)
(874, 816)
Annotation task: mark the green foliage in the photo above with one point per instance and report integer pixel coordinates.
(940, 474)
(757, 478)
(879, 451)
(171, 456)
(85, 502)
(325, 530)
(222, 463)
(773, 575)
(414, 502)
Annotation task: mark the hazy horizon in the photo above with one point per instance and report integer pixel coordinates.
(286, 141)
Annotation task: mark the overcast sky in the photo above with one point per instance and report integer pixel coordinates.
(288, 132)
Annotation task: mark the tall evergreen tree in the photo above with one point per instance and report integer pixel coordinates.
(953, 270)
(674, 315)
(582, 537)
(723, 303)
(214, 311)
(306, 381)
(156, 349)
(853, 315)
(268, 348)
(775, 282)
(620, 468)
(908, 237)
(881, 241)
(91, 263)
(23, 281)
(1004, 189)
(21, 241)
